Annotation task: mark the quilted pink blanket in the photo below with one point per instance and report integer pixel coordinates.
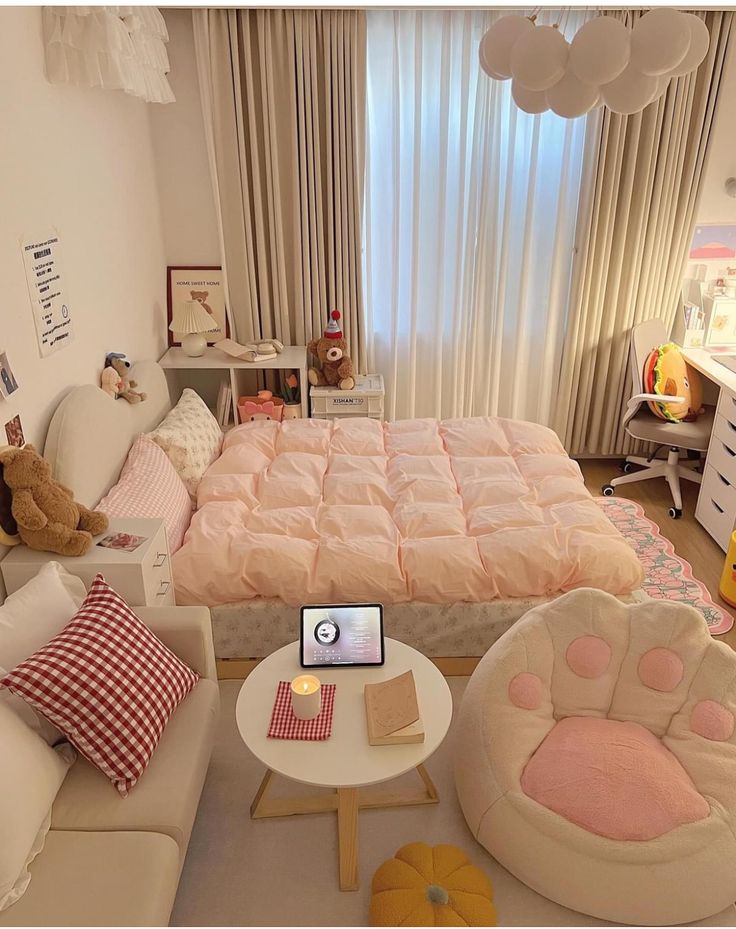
(316, 511)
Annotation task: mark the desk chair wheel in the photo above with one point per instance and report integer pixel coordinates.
(608, 490)
(627, 467)
(674, 512)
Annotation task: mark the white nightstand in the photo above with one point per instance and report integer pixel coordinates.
(142, 577)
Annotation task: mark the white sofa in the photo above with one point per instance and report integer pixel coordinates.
(109, 861)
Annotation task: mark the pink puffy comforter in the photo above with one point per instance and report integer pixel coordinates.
(316, 511)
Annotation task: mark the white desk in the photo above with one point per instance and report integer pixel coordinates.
(716, 507)
(293, 358)
(705, 362)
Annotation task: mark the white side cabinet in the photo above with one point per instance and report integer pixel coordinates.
(141, 577)
(716, 509)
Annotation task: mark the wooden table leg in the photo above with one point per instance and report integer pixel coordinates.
(347, 835)
(260, 792)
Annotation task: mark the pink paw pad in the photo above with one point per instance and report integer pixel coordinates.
(712, 720)
(588, 656)
(525, 691)
(661, 669)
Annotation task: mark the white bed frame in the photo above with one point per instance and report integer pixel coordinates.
(90, 434)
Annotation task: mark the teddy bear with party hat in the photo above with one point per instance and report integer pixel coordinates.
(331, 350)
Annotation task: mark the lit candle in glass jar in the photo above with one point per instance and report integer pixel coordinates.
(306, 696)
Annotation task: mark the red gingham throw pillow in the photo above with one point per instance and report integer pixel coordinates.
(108, 683)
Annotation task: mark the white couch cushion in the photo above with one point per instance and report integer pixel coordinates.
(30, 776)
(29, 619)
(100, 879)
(166, 797)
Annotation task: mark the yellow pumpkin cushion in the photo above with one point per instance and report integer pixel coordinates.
(431, 886)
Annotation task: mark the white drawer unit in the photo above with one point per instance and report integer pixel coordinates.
(365, 399)
(722, 449)
(716, 509)
(727, 405)
(141, 577)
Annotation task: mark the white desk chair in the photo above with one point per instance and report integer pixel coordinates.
(641, 423)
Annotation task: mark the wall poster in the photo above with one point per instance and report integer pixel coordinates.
(45, 278)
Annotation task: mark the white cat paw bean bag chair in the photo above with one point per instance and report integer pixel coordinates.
(596, 758)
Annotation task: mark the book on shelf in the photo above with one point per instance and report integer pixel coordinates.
(392, 711)
(224, 404)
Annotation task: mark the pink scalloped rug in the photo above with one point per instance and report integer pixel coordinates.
(667, 576)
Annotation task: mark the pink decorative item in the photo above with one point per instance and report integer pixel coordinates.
(661, 669)
(615, 779)
(260, 408)
(588, 656)
(525, 691)
(712, 720)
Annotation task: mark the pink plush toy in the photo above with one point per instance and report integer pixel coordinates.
(253, 411)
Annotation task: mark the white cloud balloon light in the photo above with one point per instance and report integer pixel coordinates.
(625, 69)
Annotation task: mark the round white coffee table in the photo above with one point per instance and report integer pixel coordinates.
(345, 761)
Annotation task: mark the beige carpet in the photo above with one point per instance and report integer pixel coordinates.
(283, 872)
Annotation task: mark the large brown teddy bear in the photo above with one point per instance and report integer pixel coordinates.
(48, 518)
(336, 368)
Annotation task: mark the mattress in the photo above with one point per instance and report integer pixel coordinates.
(468, 510)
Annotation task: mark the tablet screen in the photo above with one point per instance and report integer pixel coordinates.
(341, 635)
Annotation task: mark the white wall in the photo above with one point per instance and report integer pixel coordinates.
(80, 160)
(187, 200)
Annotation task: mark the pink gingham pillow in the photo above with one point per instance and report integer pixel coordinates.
(107, 683)
(150, 488)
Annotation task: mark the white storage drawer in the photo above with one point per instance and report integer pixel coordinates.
(716, 509)
(727, 405)
(141, 577)
(722, 449)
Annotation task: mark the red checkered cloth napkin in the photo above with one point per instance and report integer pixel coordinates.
(284, 725)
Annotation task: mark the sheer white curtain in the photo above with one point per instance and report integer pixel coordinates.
(469, 224)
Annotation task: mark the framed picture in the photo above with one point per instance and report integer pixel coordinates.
(8, 383)
(14, 432)
(713, 242)
(203, 283)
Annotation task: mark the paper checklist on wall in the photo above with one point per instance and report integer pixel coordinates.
(51, 311)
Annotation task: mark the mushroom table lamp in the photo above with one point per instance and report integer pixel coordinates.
(192, 320)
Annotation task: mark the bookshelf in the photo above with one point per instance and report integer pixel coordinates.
(206, 373)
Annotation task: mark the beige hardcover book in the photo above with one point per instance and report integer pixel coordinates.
(392, 711)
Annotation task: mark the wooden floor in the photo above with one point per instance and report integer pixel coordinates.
(690, 540)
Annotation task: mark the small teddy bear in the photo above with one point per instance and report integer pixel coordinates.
(48, 518)
(336, 368)
(114, 379)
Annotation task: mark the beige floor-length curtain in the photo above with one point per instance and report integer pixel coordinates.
(283, 98)
(634, 245)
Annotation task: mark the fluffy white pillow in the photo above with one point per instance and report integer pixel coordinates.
(191, 437)
(31, 774)
(30, 618)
